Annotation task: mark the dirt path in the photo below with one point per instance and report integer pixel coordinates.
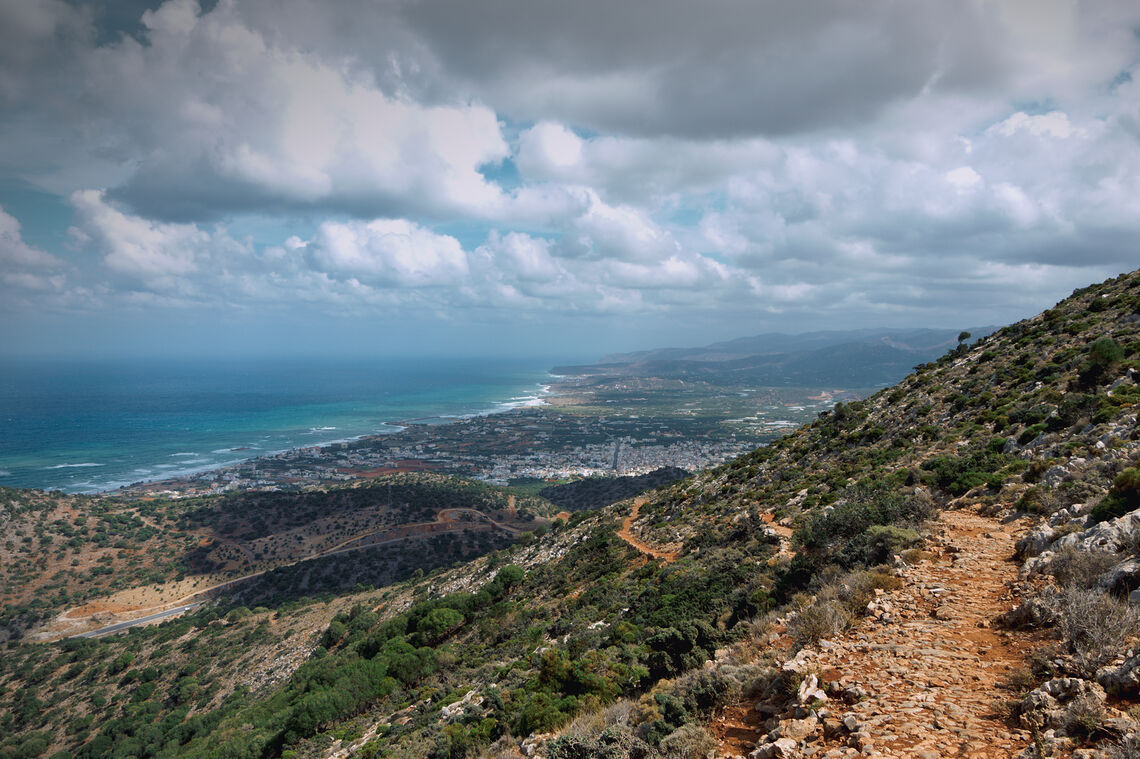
(930, 666)
(627, 535)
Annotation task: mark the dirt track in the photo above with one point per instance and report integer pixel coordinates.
(933, 669)
(626, 534)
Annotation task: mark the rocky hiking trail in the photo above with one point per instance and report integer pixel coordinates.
(917, 677)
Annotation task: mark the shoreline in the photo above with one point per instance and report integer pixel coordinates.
(537, 400)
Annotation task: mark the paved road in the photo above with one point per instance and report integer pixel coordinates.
(141, 620)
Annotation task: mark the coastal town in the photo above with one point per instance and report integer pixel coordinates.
(553, 442)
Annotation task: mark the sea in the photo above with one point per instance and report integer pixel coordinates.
(96, 425)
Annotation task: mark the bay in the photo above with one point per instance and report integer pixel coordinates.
(90, 426)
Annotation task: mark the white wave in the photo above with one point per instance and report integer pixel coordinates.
(73, 466)
(5, 473)
(321, 429)
(184, 453)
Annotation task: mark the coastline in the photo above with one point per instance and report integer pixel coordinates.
(575, 427)
(540, 398)
(95, 427)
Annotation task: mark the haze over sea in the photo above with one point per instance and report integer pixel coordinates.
(88, 426)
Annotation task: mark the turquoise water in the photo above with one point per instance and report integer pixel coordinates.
(97, 425)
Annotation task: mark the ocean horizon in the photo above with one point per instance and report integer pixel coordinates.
(89, 426)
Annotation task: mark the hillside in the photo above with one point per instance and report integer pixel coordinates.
(99, 559)
(595, 492)
(844, 590)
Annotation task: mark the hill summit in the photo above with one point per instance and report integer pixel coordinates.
(942, 569)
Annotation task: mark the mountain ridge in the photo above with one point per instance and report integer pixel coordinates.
(856, 358)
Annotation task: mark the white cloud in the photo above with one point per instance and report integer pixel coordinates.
(548, 148)
(1052, 124)
(14, 252)
(217, 116)
(735, 159)
(153, 252)
(388, 253)
(964, 179)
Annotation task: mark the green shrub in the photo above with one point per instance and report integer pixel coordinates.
(844, 535)
(1123, 497)
(959, 474)
(1104, 356)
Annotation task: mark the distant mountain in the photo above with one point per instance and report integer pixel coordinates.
(852, 358)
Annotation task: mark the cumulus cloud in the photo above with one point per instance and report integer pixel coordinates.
(156, 253)
(388, 252)
(23, 266)
(217, 117)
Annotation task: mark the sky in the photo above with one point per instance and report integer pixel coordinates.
(371, 177)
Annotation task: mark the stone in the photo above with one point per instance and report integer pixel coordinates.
(1122, 680)
(1039, 611)
(809, 691)
(1054, 476)
(1122, 578)
(799, 729)
(783, 748)
(1035, 542)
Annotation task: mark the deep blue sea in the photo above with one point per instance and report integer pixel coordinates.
(88, 426)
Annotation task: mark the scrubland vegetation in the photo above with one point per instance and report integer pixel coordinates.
(577, 634)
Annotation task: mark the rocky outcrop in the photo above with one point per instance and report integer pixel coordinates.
(1060, 703)
(1115, 535)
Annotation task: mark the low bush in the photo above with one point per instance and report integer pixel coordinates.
(1075, 568)
(1096, 627)
(821, 620)
(853, 533)
(1127, 748)
(688, 742)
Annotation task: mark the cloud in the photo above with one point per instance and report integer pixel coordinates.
(156, 253)
(731, 69)
(14, 252)
(811, 163)
(388, 253)
(215, 117)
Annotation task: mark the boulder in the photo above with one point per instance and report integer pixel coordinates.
(1035, 542)
(1123, 679)
(1054, 476)
(1045, 707)
(798, 729)
(1122, 578)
